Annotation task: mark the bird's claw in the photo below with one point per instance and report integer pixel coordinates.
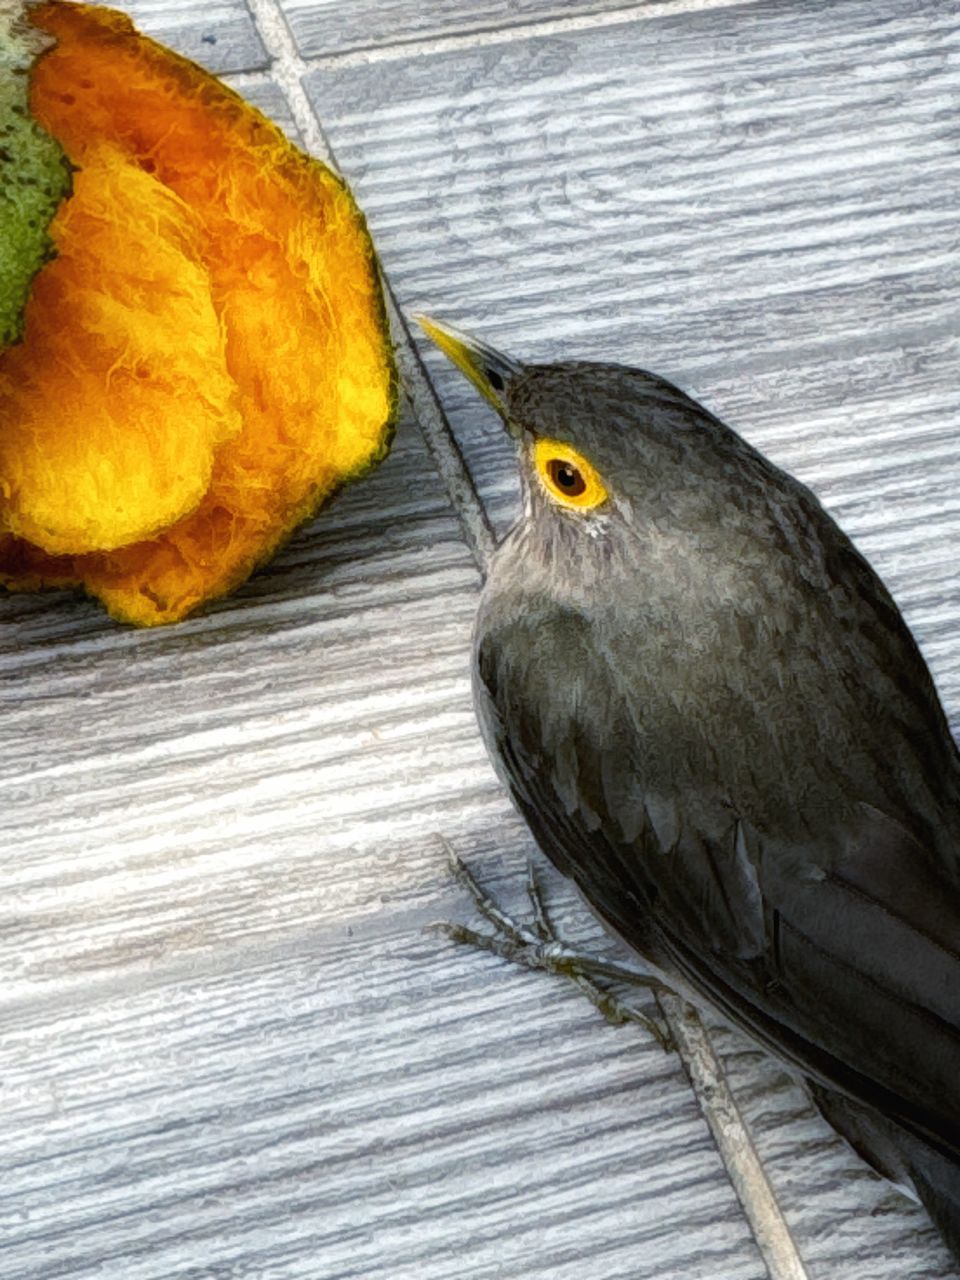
(536, 946)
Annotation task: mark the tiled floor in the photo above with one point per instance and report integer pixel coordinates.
(229, 1047)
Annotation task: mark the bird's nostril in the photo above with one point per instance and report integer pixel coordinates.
(495, 380)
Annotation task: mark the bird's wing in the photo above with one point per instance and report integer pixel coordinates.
(852, 974)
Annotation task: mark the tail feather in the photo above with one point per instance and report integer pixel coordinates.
(937, 1180)
(900, 1156)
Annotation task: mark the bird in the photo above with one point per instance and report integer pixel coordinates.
(714, 719)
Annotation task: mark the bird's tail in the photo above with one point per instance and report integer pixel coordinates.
(937, 1181)
(900, 1156)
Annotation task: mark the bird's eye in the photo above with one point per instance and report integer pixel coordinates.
(567, 476)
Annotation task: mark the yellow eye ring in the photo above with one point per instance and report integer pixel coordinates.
(567, 476)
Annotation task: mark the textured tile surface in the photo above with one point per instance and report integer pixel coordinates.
(341, 26)
(221, 37)
(357, 1111)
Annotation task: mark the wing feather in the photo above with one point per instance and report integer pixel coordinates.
(850, 972)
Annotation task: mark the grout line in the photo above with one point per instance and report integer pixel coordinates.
(288, 69)
(439, 437)
(705, 1071)
(484, 37)
(732, 1136)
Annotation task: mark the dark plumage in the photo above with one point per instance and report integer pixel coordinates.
(714, 719)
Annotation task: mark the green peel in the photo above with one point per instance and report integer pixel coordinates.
(35, 175)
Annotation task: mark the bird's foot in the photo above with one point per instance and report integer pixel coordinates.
(536, 946)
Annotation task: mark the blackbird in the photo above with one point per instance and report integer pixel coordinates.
(713, 718)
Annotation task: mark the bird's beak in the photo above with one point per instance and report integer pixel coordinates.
(489, 370)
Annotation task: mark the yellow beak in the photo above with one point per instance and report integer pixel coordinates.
(489, 370)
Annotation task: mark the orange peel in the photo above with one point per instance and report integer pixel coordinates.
(205, 359)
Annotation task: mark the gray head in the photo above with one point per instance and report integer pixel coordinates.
(616, 462)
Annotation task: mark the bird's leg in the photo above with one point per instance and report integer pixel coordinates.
(536, 946)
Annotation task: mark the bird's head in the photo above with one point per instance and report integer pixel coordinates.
(611, 456)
